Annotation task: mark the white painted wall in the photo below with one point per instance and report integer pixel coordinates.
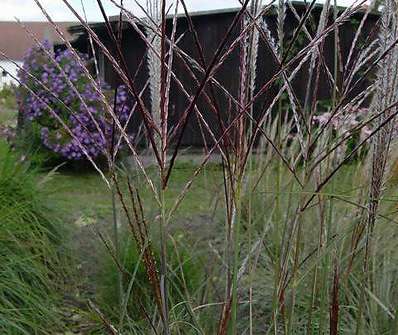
(7, 68)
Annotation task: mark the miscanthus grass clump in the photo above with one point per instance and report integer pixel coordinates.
(30, 255)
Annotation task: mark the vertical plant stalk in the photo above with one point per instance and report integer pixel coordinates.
(334, 306)
(159, 106)
(116, 240)
(386, 94)
(153, 33)
(90, 39)
(235, 170)
(247, 88)
(112, 165)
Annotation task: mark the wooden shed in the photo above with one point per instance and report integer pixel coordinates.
(211, 27)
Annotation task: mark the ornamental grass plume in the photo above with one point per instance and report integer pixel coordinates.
(297, 247)
(386, 96)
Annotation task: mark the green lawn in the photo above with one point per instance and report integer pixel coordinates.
(86, 195)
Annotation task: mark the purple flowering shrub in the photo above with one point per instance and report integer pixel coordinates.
(81, 109)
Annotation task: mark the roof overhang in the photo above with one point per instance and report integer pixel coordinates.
(78, 29)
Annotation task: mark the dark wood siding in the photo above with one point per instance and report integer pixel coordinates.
(211, 29)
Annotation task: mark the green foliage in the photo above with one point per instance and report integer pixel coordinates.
(272, 206)
(185, 277)
(29, 261)
(267, 212)
(8, 108)
(7, 98)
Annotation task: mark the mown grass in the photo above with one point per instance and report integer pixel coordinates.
(86, 194)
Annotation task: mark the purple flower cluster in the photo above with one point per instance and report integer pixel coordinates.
(81, 107)
(123, 106)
